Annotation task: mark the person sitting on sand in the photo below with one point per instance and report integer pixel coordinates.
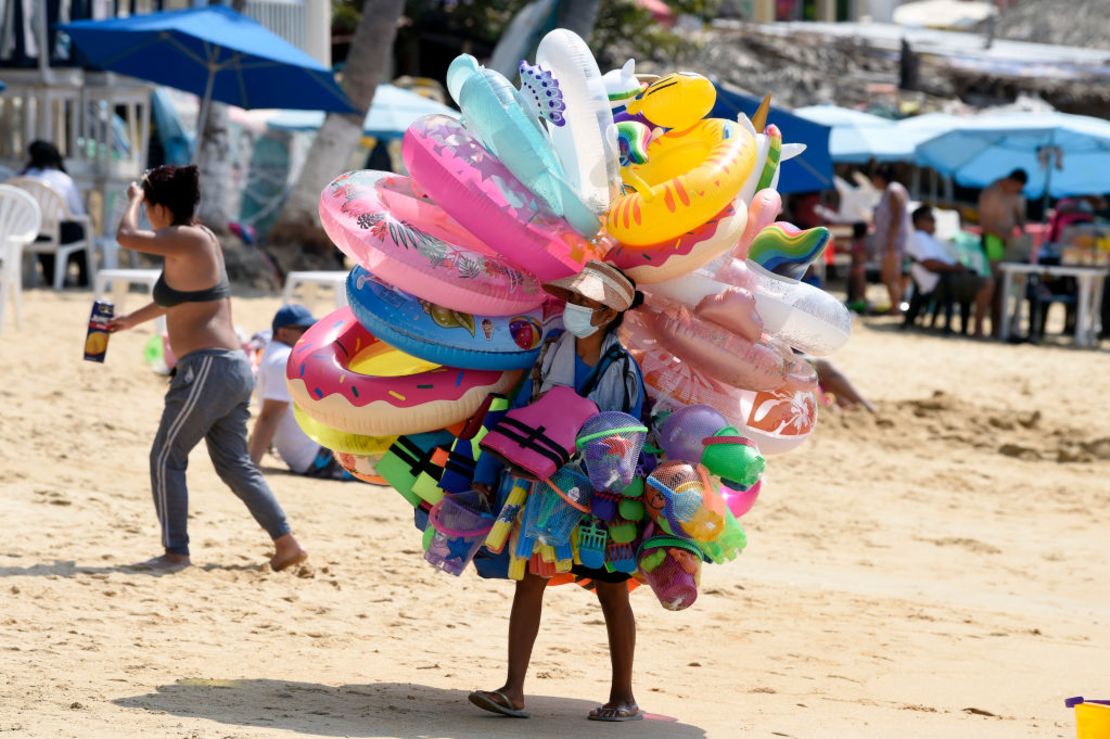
(275, 424)
(209, 396)
(589, 357)
(932, 259)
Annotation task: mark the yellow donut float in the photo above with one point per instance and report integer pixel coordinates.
(690, 176)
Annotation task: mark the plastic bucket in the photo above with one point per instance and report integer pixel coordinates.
(1092, 718)
(461, 522)
(671, 566)
(555, 507)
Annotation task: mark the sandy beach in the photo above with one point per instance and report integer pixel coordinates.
(939, 570)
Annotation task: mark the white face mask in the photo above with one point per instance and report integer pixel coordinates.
(578, 320)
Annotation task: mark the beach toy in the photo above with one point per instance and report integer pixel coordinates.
(689, 250)
(741, 499)
(734, 308)
(604, 505)
(631, 509)
(1092, 718)
(672, 568)
(507, 121)
(539, 438)
(682, 434)
(733, 458)
(430, 260)
(784, 249)
(361, 466)
(556, 505)
(712, 349)
(682, 501)
(481, 194)
(764, 207)
(622, 531)
(610, 444)
(408, 459)
(675, 100)
(593, 539)
(340, 441)
(768, 174)
(728, 545)
(633, 138)
(620, 557)
(461, 522)
(441, 335)
(343, 377)
(514, 502)
(583, 141)
(462, 460)
(771, 152)
(622, 85)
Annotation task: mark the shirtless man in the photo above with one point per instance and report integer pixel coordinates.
(1001, 209)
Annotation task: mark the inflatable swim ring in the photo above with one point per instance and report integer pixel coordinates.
(507, 122)
(584, 141)
(652, 263)
(340, 441)
(690, 176)
(787, 250)
(343, 377)
(361, 467)
(424, 260)
(436, 334)
(481, 194)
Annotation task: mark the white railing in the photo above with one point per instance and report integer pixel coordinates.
(304, 23)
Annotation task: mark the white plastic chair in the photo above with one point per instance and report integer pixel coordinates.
(6, 173)
(52, 206)
(20, 221)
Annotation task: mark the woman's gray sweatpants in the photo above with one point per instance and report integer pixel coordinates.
(208, 399)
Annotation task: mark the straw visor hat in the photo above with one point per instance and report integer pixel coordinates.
(597, 281)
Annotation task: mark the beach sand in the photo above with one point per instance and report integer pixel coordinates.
(939, 570)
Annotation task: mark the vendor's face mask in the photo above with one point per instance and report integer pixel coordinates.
(579, 320)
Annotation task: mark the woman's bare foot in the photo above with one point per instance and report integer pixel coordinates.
(167, 563)
(288, 553)
(623, 710)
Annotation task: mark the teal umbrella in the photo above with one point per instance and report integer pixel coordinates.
(392, 112)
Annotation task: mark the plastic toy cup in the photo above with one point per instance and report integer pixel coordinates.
(1092, 718)
(556, 505)
(672, 567)
(461, 522)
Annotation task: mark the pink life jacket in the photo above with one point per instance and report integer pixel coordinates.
(539, 438)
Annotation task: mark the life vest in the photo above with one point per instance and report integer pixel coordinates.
(540, 438)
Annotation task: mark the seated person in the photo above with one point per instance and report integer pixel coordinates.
(47, 166)
(275, 423)
(932, 260)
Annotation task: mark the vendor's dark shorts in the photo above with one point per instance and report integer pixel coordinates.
(964, 286)
(599, 575)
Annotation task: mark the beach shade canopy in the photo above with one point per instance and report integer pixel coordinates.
(856, 137)
(813, 169)
(1062, 154)
(213, 52)
(2, 85)
(391, 113)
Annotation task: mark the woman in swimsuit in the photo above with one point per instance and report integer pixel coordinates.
(211, 389)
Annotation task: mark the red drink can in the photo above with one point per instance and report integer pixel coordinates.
(96, 340)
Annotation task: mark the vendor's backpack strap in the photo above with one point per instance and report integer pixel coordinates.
(615, 354)
(537, 368)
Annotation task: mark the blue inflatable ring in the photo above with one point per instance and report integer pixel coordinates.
(440, 335)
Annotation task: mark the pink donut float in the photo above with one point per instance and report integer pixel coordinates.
(479, 192)
(435, 260)
(340, 375)
(694, 249)
(713, 349)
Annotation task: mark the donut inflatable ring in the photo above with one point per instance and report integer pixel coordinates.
(654, 263)
(690, 176)
(481, 194)
(437, 334)
(341, 441)
(361, 467)
(426, 258)
(343, 377)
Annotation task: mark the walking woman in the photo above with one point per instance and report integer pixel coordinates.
(210, 392)
(588, 357)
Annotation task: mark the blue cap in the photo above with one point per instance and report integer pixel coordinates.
(292, 315)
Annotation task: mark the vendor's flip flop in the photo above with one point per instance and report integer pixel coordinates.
(615, 715)
(485, 700)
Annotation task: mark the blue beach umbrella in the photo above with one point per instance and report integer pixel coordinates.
(1063, 154)
(394, 109)
(213, 52)
(809, 172)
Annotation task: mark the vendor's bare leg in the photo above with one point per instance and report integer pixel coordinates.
(524, 626)
(620, 622)
(287, 553)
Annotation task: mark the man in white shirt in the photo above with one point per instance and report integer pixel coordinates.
(275, 424)
(932, 261)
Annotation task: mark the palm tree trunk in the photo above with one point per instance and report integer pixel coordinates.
(213, 158)
(297, 232)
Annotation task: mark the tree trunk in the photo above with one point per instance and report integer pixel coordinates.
(579, 16)
(297, 239)
(213, 158)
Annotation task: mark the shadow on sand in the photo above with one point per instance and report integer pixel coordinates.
(69, 568)
(381, 709)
